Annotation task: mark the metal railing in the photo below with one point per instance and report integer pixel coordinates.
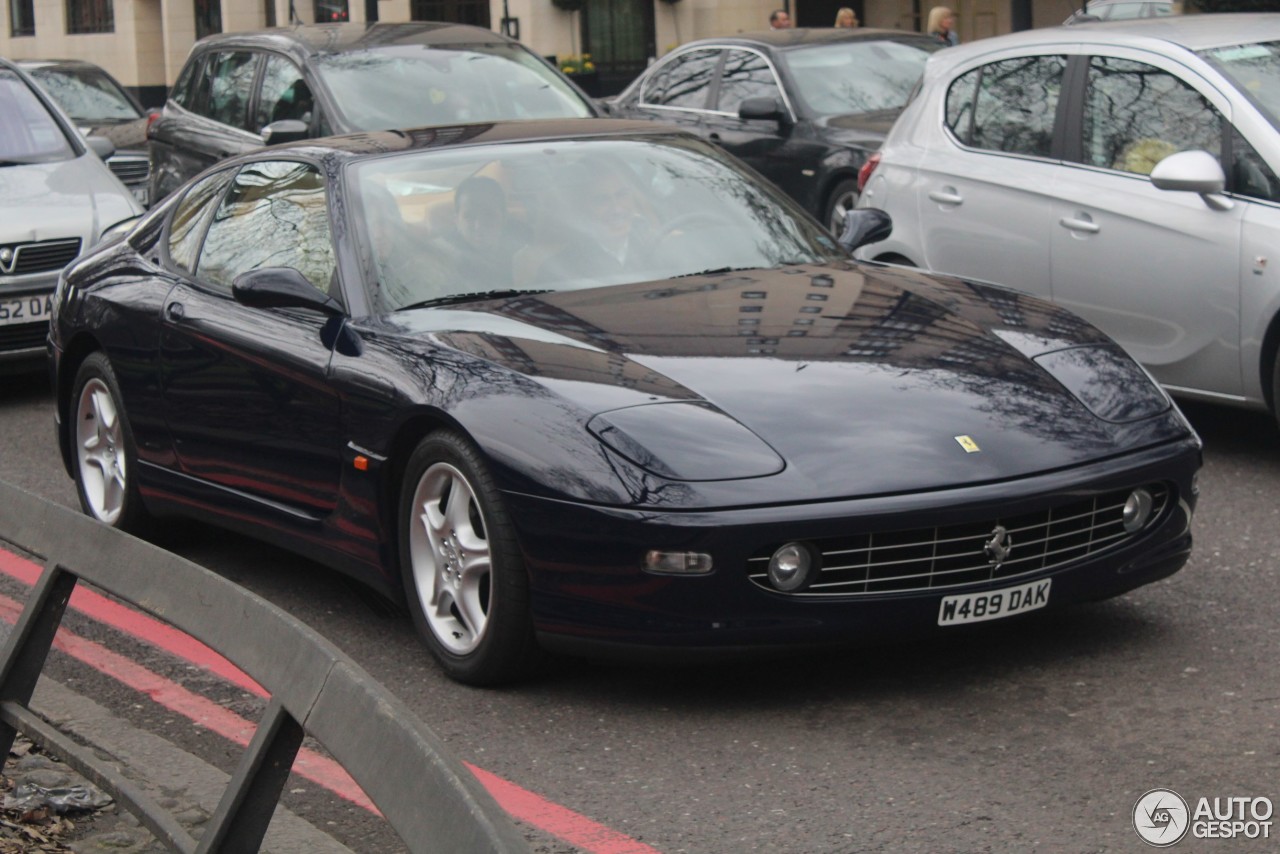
(428, 797)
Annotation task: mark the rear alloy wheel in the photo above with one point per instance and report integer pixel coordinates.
(464, 580)
(843, 198)
(105, 455)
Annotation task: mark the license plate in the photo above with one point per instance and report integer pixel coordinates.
(35, 308)
(993, 604)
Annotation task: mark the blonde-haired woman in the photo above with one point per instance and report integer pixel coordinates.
(846, 18)
(942, 26)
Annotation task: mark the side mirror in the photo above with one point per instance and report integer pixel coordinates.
(100, 146)
(1193, 172)
(763, 109)
(282, 287)
(863, 226)
(285, 130)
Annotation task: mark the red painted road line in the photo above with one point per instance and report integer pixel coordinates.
(131, 622)
(557, 820)
(520, 803)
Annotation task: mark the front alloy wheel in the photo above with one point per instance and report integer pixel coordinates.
(465, 582)
(449, 555)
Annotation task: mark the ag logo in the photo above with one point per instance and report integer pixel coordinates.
(1161, 817)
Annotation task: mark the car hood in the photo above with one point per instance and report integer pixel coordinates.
(823, 381)
(128, 135)
(69, 198)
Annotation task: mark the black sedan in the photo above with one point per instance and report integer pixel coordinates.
(592, 386)
(239, 91)
(804, 107)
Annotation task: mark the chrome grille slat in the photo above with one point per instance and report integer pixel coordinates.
(954, 555)
(39, 257)
(130, 170)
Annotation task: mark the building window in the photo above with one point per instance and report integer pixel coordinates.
(22, 18)
(208, 17)
(454, 11)
(90, 16)
(332, 11)
(270, 12)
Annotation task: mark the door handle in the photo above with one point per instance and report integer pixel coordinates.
(174, 311)
(946, 196)
(1083, 222)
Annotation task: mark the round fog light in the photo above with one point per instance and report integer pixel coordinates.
(1137, 510)
(792, 567)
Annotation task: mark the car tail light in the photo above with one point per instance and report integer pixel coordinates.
(864, 174)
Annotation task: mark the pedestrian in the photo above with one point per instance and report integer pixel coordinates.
(846, 18)
(780, 19)
(942, 26)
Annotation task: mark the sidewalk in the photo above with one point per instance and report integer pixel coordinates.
(182, 783)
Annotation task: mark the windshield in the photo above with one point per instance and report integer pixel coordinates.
(414, 85)
(851, 78)
(87, 95)
(569, 215)
(1255, 71)
(28, 133)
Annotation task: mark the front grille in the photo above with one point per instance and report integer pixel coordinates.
(24, 336)
(17, 259)
(130, 170)
(956, 555)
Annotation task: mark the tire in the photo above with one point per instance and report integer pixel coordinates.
(465, 583)
(843, 197)
(105, 458)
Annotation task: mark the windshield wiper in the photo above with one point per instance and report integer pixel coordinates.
(4, 163)
(714, 271)
(453, 299)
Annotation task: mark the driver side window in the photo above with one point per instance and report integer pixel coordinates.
(1136, 115)
(274, 215)
(284, 94)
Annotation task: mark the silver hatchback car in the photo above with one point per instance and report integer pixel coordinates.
(1127, 171)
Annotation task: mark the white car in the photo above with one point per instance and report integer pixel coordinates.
(1127, 171)
(57, 199)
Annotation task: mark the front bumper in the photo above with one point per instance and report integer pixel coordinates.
(589, 594)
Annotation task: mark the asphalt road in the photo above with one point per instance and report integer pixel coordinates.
(1041, 733)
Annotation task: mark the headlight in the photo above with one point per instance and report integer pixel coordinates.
(685, 441)
(1110, 384)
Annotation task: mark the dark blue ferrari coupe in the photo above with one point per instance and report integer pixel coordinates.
(596, 387)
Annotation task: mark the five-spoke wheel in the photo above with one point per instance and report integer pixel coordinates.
(466, 585)
(103, 447)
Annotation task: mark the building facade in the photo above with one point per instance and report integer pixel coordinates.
(144, 43)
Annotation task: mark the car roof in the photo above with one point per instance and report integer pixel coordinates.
(57, 63)
(1190, 32)
(319, 39)
(803, 37)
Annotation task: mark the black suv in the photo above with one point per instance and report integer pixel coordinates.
(805, 107)
(239, 91)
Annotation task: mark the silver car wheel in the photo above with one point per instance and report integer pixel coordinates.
(841, 205)
(100, 451)
(450, 559)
